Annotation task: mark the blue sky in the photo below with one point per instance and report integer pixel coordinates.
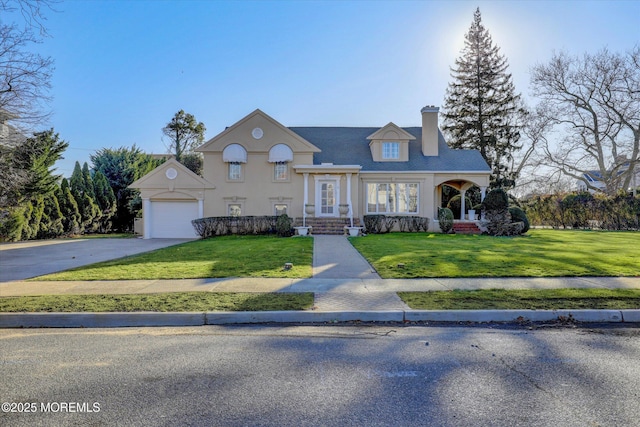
(124, 68)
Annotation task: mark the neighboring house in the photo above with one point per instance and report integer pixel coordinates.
(260, 167)
(594, 178)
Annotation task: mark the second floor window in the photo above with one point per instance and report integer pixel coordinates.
(235, 171)
(390, 150)
(281, 171)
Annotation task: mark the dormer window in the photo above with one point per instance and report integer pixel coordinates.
(390, 150)
(390, 144)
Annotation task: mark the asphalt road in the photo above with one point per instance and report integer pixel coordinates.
(310, 376)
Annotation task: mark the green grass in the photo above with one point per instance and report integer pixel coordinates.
(539, 299)
(166, 302)
(539, 253)
(106, 236)
(226, 256)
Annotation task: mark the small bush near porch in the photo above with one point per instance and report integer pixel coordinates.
(224, 256)
(540, 253)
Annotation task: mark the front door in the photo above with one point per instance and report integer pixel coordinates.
(327, 197)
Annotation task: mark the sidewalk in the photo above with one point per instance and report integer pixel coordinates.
(345, 286)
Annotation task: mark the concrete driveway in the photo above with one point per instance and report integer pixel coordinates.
(23, 260)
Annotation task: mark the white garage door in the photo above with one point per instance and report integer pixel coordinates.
(173, 219)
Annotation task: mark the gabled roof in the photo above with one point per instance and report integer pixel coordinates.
(350, 146)
(159, 177)
(218, 142)
(391, 132)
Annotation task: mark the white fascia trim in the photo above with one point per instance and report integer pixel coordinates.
(430, 172)
(328, 168)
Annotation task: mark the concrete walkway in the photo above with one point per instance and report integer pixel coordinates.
(335, 258)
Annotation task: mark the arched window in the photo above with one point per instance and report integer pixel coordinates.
(235, 155)
(280, 155)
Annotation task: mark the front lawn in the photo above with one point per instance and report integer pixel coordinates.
(166, 302)
(539, 253)
(226, 256)
(524, 299)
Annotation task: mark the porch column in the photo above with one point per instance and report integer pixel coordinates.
(483, 193)
(146, 217)
(306, 198)
(463, 194)
(349, 199)
(200, 208)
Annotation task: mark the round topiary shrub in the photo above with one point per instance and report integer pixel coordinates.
(518, 215)
(455, 205)
(496, 200)
(445, 220)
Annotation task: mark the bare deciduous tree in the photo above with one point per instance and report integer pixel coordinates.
(24, 83)
(24, 75)
(593, 103)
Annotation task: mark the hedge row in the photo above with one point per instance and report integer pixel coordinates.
(378, 224)
(225, 225)
(585, 210)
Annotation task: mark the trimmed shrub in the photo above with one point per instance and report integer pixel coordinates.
(497, 199)
(283, 226)
(379, 224)
(455, 205)
(518, 215)
(498, 216)
(224, 225)
(445, 220)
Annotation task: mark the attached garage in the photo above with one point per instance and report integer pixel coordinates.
(172, 219)
(172, 196)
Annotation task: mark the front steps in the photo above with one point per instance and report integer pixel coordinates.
(334, 226)
(466, 227)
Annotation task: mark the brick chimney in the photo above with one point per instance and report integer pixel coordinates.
(430, 130)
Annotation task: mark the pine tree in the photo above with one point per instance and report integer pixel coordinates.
(51, 224)
(105, 199)
(82, 193)
(481, 109)
(69, 208)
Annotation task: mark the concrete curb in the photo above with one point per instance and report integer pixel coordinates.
(146, 319)
(99, 320)
(222, 318)
(485, 316)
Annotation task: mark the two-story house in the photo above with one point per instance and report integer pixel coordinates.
(260, 167)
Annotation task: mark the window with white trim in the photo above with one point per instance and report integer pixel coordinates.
(387, 198)
(281, 171)
(235, 171)
(390, 150)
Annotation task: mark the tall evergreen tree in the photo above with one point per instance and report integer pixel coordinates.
(51, 224)
(69, 208)
(121, 167)
(81, 192)
(481, 109)
(36, 157)
(105, 200)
